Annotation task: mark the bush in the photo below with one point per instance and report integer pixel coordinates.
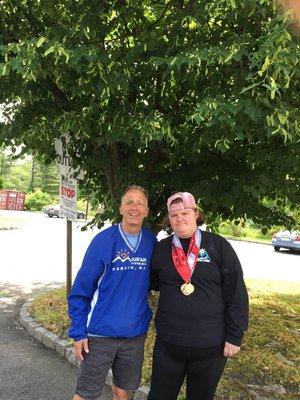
(1, 183)
(36, 200)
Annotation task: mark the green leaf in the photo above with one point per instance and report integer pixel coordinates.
(249, 87)
(62, 51)
(233, 4)
(50, 50)
(3, 70)
(266, 64)
(173, 61)
(282, 118)
(40, 41)
(198, 118)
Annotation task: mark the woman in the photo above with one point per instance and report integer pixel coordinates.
(202, 309)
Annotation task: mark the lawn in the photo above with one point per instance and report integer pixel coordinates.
(246, 231)
(267, 363)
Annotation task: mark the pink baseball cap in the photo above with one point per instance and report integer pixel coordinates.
(187, 199)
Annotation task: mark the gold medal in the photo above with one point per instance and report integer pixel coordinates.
(187, 288)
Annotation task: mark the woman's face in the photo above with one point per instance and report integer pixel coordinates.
(183, 220)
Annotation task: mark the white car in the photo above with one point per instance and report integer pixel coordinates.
(53, 211)
(286, 240)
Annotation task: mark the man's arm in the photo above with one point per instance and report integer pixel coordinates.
(83, 289)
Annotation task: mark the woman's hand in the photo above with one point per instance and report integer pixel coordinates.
(79, 346)
(230, 350)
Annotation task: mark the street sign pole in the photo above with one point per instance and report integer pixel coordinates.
(69, 257)
(68, 195)
(68, 210)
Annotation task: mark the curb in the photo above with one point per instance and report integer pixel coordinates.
(62, 347)
(234, 239)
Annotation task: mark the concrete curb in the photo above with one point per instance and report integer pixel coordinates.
(234, 239)
(61, 346)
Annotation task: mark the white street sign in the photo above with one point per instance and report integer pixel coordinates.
(64, 160)
(68, 198)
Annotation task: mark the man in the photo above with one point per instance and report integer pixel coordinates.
(108, 302)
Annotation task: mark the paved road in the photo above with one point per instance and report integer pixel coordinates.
(37, 251)
(29, 370)
(260, 261)
(35, 254)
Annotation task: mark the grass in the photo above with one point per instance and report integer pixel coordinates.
(269, 353)
(245, 231)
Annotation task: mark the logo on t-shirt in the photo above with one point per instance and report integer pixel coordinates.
(122, 255)
(123, 262)
(203, 256)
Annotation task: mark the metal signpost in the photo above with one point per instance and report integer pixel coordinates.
(68, 196)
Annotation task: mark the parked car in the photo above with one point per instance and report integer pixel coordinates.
(286, 240)
(53, 211)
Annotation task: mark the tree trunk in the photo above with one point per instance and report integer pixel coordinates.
(32, 176)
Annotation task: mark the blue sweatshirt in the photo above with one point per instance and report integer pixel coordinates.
(109, 294)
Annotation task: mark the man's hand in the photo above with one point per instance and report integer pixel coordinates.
(230, 350)
(79, 346)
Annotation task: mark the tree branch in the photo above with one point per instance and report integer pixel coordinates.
(59, 96)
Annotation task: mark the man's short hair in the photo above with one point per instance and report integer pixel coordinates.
(135, 187)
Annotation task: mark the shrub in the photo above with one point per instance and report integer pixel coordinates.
(36, 200)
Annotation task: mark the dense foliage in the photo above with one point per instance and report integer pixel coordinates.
(28, 174)
(36, 200)
(173, 95)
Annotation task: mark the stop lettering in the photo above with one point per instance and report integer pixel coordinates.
(68, 192)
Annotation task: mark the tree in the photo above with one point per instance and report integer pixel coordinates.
(32, 180)
(174, 95)
(43, 176)
(5, 164)
(19, 176)
(28, 173)
(49, 178)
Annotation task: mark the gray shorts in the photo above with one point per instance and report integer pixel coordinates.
(124, 357)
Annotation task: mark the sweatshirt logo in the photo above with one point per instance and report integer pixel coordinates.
(123, 262)
(122, 255)
(203, 256)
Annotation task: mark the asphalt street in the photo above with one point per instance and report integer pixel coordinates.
(35, 254)
(29, 370)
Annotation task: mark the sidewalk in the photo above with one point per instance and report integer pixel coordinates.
(53, 342)
(28, 369)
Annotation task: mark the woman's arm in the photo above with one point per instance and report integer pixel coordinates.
(235, 295)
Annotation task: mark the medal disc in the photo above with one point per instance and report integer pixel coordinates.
(182, 288)
(187, 288)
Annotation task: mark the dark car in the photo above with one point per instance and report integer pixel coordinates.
(286, 240)
(53, 211)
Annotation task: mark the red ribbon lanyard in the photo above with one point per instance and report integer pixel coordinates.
(183, 267)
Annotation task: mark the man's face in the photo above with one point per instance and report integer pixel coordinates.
(134, 208)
